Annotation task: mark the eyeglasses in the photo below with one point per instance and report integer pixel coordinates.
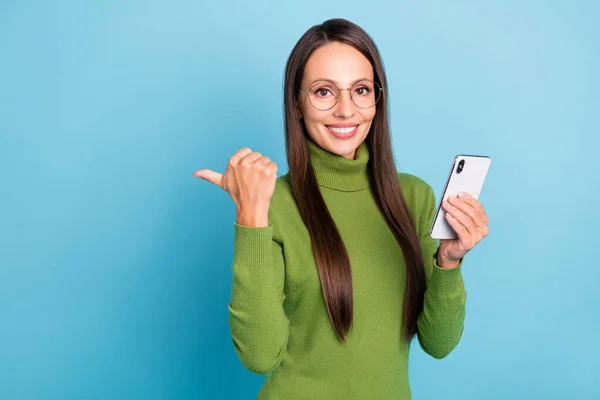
(324, 95)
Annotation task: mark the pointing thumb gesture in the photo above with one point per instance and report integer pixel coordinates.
(211, 176)
(250, 181)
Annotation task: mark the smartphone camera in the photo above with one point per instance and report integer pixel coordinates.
(460, 167)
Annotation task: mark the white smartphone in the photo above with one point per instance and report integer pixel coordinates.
(467, 174)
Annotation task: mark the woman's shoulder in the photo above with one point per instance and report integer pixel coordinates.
(413, 185)
(283, 189)
(283, 199)
(284, 214)
(419, 197)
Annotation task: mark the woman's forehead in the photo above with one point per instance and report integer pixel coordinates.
(337, 62)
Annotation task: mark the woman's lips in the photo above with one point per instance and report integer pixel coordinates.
(342, 133)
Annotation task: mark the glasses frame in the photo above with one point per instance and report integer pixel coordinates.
(337, 98)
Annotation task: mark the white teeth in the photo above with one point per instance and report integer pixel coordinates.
(342, 130)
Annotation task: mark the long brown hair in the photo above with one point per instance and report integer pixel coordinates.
(327, 245)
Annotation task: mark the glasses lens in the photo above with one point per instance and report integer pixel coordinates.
(323, 95)
(365, 93)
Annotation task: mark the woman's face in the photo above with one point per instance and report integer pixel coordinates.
(341, 64)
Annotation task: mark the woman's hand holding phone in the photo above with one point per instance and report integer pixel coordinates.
(467, 217)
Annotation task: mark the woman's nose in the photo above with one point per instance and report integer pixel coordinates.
(345, 105)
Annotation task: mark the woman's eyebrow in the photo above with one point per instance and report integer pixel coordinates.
(336, 82)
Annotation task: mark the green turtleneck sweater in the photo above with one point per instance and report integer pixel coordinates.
(277, 314)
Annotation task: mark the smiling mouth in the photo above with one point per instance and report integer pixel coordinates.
(342, 130)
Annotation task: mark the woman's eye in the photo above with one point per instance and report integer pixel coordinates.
(362, 91)
(322, 92)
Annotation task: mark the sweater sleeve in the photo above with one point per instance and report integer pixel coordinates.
(441, 323)
(258, 324)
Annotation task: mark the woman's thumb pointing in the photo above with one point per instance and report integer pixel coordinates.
(211, 176)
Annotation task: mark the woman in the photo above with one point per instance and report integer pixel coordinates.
(334, 271)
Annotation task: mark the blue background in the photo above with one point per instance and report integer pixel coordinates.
(115, 262)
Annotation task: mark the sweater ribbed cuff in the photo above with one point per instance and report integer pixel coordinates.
(446, 279)
(252, 246)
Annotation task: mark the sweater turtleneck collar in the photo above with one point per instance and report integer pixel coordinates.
(339, 173)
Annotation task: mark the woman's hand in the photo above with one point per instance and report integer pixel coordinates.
(466, 216)
(250, 181)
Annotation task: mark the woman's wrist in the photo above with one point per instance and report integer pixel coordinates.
(444, 263)
(255, 217)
